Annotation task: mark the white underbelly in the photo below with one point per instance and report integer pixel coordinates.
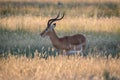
(73, 52)
(76, 49)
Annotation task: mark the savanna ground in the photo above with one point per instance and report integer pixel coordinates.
(24, 55)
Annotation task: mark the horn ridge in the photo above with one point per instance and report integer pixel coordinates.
(53, 19)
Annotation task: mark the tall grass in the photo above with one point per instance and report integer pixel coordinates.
(23, 31)
(91, 8)
(74, 68)
(38, 23)
(24, 55)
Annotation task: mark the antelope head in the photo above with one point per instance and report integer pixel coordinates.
(51, 25)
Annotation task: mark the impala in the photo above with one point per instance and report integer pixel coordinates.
(67, 44)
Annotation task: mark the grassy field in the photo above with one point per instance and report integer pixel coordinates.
(60, 68)
(25, 55)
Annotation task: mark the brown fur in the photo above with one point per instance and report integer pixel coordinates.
(67, 43)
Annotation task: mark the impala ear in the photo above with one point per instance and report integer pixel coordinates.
(54, 25)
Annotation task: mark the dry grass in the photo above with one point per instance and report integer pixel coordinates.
(35, 23)
(99, 20)
(59, 68)
(65, 1)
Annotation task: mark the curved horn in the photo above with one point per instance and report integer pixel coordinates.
(55, 19)
(61, 17)
(49, 22)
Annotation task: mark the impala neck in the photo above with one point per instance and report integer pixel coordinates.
(53, 37)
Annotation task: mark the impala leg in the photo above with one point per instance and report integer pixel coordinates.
(67, 53)
(83, 49)
(63, 52)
